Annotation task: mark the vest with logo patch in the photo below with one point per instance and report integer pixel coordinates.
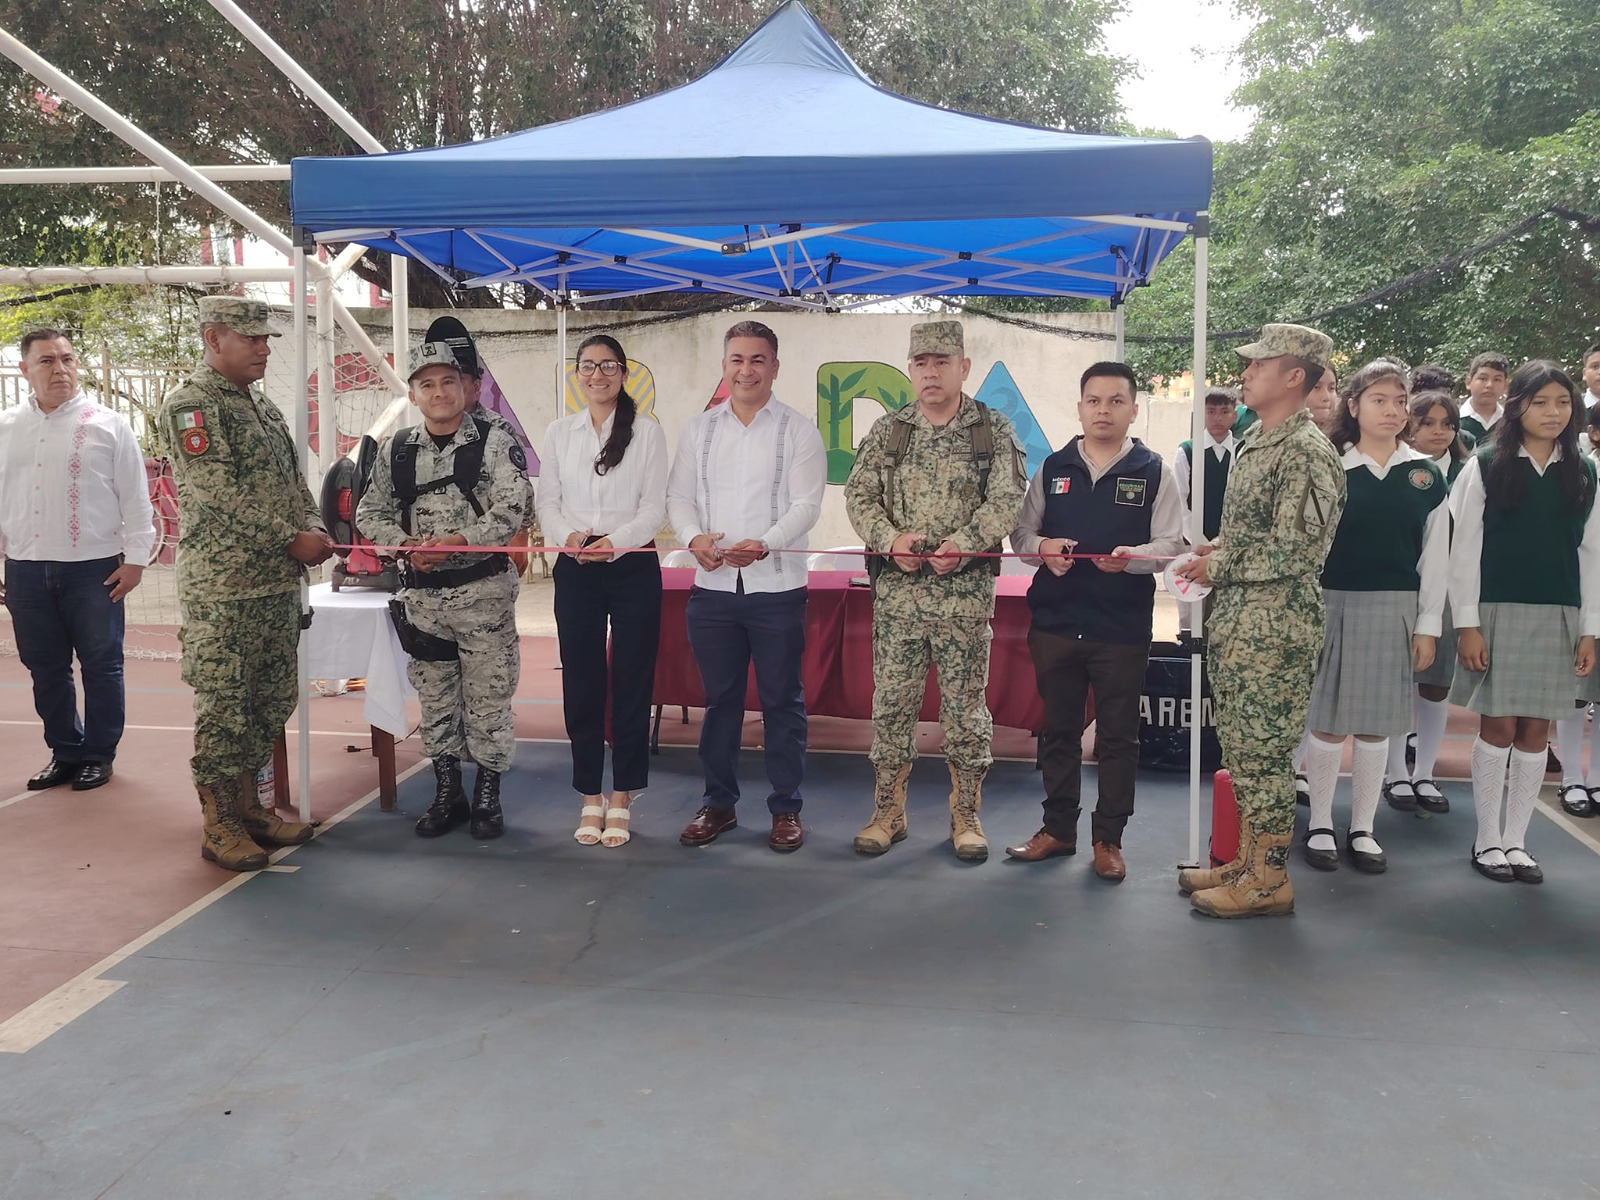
(1087, 602)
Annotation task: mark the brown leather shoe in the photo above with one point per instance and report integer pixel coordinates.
(708, 824)
(1041, 846)
(786, 832)
(1108, 862)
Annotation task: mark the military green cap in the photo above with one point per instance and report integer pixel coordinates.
(1299, 340)
(430, 354)
(248, 317)
(936, 337)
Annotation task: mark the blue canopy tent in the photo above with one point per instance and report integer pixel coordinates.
(786, 175)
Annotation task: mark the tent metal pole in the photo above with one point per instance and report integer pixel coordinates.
(240, 173)
(561, 349)
(223, 273)
(1119, 315)
(1197, 430)
(400, 308)
(302, 420)
(327, 391)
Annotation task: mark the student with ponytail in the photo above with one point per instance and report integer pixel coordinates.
(603, 485)
(1525, 594)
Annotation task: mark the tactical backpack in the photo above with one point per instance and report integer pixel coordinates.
(982, 453)
(465, 476)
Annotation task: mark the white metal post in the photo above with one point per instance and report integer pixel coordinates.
(561, 350)
(1197, 608)
(302, 421)
(400, 307)
(327, 394)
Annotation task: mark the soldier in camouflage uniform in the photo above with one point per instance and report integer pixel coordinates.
(250, 529)
(1285, 495)
(923, 491)
(466, 663)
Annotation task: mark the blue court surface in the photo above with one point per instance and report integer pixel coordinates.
(404, 1019)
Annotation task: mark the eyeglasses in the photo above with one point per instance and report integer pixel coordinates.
(607, 368)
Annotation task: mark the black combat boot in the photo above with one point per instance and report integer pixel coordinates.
(449, 808)
(487, 821)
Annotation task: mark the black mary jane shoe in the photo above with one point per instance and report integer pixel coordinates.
(1411, 752)
(1361, 860)
(1302, 790)
(1500, 874)
(1576, 800)
(1434, 800)
(1531, 873)
(1322, 860)
(54, 775)
(1405, 801)
(92, 775)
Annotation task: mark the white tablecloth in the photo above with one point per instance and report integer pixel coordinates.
(351, 637)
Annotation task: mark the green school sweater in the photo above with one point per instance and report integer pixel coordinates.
(1530, 553)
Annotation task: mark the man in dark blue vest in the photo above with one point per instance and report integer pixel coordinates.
(1107, 495)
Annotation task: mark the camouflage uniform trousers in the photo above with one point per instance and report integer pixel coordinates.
(466, 705)
(1262, 661)
(241, 659)
(901, 653)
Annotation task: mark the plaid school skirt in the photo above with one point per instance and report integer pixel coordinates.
(1531, 651)
(1363, 682)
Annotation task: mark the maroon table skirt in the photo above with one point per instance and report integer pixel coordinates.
(838, 659)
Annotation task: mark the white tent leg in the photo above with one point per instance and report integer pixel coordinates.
(561, 356)
(1197, 609)
(327, 394)
(302, 422)
(400, 308)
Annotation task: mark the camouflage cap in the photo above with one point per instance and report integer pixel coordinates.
(936, 337)
(430, 354)
(1299, 340)
(249, 317)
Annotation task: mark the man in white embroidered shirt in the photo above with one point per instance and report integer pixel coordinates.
(748, 481)
(77, 527)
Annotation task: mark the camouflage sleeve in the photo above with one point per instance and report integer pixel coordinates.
(1309, 500)
(996, 517)
(505, 469)
(203, 464)
(864, 501)
(378, 514)
(310, 511)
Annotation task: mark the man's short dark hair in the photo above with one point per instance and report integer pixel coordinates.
(1431, 377)
(39, 335)
(1110, 370)
(751, 329)
(1218, 396)
(1493, 360)
(1588, 354)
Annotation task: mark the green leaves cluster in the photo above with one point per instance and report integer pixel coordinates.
(1390, 137)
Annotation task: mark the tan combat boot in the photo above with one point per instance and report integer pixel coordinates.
(1262, 889)
(888, 824)
(223, 838)
(1201, 879)
(966, 798)
(263, 824)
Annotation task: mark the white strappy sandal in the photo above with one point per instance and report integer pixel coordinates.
(589, 835)
(616, 832)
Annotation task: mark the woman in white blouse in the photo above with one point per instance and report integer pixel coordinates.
(603, 487)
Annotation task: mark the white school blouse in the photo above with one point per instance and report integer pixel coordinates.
(627, 504)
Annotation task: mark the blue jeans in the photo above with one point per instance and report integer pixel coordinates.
(728, 631)
(58, 609)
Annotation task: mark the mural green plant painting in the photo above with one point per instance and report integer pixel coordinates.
(839, 384)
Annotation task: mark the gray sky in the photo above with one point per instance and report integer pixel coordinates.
(1183, 48)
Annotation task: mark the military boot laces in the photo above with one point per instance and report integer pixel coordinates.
(966, 800)
(223, 837)
(449, 808)
(487, 821)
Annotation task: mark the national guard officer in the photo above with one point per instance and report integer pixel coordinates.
(943, 477)
(250, 529)
(1285, 495)
(454, 481)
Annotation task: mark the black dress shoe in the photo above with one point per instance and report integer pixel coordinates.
(1433, 800)
(54, 775)
(1363, 860)
(1500, 873)
(1322, 860)
(1576, 801)
(1401, 795)
(1302, 789)
(1528, 872)
(92, 775)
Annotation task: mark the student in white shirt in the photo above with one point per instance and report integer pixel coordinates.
(1221, 404)
(745, 486)
(78, 529)
(1486, 392)
(603, 485)
(1591, 377)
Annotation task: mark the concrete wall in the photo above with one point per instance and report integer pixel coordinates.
(1030, 375)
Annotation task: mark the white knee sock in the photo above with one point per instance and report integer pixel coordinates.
(1569, 745)
(1429, 717)
(1522, 793)
(1366, 778)
(1396, 771)
(1300, 753)
(1488, 787)
(1322, 770)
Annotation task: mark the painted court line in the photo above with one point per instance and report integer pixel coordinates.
(78, 995)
